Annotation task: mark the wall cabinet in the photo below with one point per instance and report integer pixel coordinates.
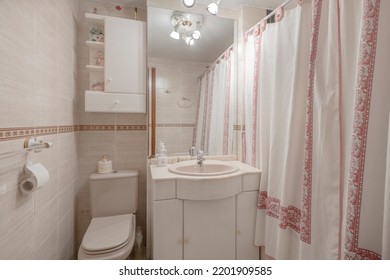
(117, 68)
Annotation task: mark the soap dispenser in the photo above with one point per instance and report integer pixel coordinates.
(162, 157)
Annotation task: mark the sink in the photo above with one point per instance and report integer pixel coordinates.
(208, 168)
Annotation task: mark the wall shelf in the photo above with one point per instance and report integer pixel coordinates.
(95, 18)
(118, 65)
(95, 45)
(95, 68)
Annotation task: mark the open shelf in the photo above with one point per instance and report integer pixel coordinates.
(95, 18)
(94, 44)
(95, 68)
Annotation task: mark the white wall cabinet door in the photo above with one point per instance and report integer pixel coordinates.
(246, 221)
(168, 230)
(209, 229)
(125, 56)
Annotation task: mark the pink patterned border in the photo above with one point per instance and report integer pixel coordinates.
(206, 95)
(257, 40)
(227, 104)
(195, 134)
(209, 109)
(305, 224)
(366, 64)
(289, 216)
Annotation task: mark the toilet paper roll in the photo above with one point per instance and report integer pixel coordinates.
(105, 166)
(38, 177)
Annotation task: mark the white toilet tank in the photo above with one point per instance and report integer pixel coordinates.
(114, 193)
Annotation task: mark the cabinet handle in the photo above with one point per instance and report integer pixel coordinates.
(116, 102)
(109, 80)
(186, 241)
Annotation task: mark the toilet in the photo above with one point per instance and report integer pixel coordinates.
(113, 203)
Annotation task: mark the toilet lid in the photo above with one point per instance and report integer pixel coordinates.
(105, 233)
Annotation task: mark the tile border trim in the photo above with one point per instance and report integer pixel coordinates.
(14, 133)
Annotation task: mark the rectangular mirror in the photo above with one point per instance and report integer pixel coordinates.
(189, 84)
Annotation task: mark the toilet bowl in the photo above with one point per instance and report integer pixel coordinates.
(108, 238)
(111, 233)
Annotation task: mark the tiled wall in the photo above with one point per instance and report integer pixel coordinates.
(122, 137)
(38, 97)
(175, 80)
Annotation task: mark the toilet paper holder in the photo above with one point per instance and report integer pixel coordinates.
(30, 144)
(36, 145)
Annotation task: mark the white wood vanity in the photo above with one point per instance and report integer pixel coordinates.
(204, 216)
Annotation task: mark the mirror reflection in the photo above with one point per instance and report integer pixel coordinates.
(191, 81)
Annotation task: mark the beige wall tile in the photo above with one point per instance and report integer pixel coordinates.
(38, 88)
(20, 245)
(45, 222)
(48, 249)
(15, 208)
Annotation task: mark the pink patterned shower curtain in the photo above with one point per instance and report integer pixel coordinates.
(214, 119)
(317, 124)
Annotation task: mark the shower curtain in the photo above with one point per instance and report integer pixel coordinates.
(215, 114)
(316, 124)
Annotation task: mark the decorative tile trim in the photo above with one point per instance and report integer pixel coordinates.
(239, 127)
(13, 133)
(112, 127)
(46, 130)
(175, 125)
(131, 127)
(97, 127)
(68, 128)
(16, 133)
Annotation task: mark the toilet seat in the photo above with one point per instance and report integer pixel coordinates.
(108, 238)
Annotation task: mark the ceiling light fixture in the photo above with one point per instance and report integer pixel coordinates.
(212, 8)
(186, 26)
(189, 3)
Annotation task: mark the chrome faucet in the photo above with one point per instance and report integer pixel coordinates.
(200, 158)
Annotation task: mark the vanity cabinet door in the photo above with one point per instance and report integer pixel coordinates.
(209, 229)
(168, 230)
(125, 56)
(246, 223)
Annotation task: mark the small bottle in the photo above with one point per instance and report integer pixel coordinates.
(162, 157)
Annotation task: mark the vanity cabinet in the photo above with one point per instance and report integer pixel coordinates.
(206, 229)
(117, 67)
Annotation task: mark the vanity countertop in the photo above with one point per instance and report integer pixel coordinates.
(162, 173)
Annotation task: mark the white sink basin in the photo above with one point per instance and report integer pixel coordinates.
(208, 168)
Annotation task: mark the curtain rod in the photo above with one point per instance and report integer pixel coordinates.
(215, 61)
(268, 16)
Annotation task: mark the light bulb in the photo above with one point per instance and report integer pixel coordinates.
(212, 8)
(196, 34)
(189, 3)
(190, 41)
(175, 35)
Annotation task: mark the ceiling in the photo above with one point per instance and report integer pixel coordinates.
(217, 36)
(235, 4)
(217, 32)
(226, 4)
